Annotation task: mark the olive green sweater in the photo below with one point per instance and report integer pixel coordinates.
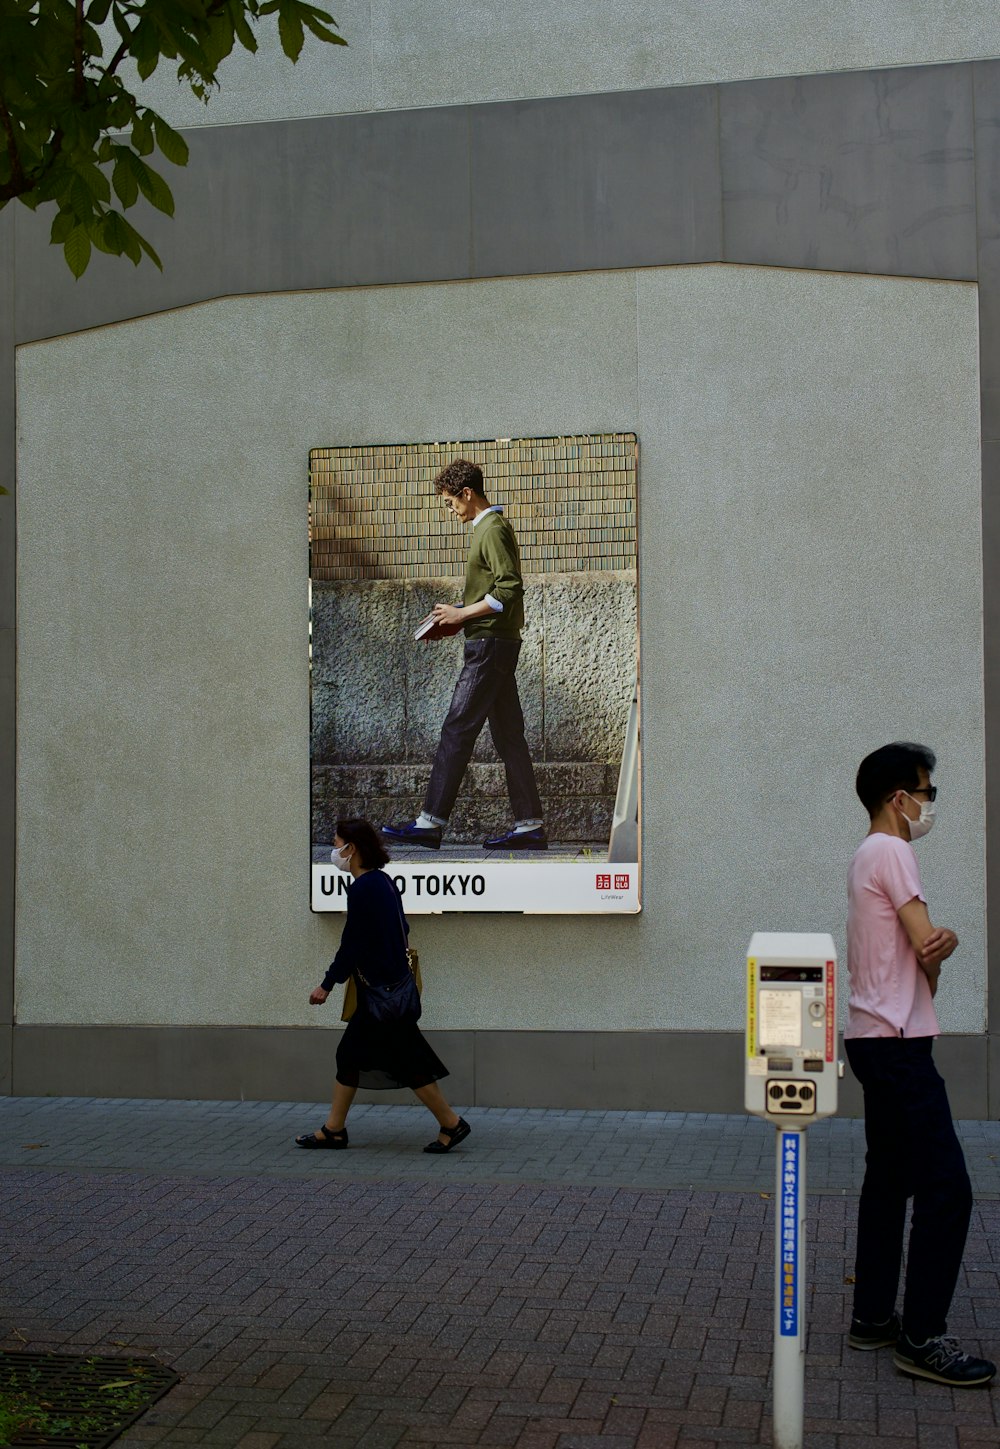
(494, 567)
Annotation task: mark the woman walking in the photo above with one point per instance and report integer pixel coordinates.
(375, 1053)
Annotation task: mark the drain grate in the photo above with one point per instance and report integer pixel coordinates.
(83, 1402)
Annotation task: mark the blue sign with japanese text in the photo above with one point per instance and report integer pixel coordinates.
(789, 1292)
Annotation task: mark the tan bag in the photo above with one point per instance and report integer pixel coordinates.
(351, 986)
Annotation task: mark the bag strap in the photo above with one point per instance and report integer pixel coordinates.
(406, 950)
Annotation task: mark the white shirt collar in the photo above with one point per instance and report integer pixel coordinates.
(493, 508)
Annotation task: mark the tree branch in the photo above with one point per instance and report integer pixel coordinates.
(17, 184)
(215, 8)
(27, 183)
(117, 58)
(79, 88)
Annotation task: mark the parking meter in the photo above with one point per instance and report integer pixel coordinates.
(791, 1027)
(790, 1080)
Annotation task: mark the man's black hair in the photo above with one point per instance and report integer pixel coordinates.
(893, 767)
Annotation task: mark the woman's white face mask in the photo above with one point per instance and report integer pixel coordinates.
(338, 858)
(924, 820)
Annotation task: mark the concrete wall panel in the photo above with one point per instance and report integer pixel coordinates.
(637, 1070)
(8, 666)
(555, 184)
(164, 788)
(279, 1064)
(165, 467)
(863, 173)
(335, 202)
(811, 498)
(867, 172)
(434, 53)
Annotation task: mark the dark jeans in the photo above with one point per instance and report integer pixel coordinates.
(912, 1152)
(486, 690)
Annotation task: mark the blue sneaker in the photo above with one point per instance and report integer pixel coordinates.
(943, 1361)
(410, 833)
(865, 1335)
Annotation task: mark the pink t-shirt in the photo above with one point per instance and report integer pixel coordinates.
(889, 994)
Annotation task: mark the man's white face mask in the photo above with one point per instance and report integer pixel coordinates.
(924, 821)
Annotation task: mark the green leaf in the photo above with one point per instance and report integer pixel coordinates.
(121, 25)
(114, 234)
(246, 36)
(318, 28)
(146, 46)
(148, 249)
(97, 11)
(130, 241)
(123, 180)
(79, 196)
(62, 224)
(173, 146)
(290, 30)
(95, 181)
(96, 232)
(153, 187)
(77, 250)
(142, 134)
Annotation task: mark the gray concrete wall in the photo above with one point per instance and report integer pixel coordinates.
(633, 1071)
(434, 53)
(805, 439)
(890, 171)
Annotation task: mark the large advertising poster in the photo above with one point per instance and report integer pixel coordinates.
(498, 753)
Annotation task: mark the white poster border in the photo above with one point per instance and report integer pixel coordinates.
(533, 888)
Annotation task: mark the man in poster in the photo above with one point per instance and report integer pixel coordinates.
(491, 615)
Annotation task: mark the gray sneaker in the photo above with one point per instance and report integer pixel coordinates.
(942, 1361)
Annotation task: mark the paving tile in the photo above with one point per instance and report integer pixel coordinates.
(377, 1310)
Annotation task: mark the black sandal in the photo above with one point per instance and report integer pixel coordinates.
(455, 1135)
(329, 1139)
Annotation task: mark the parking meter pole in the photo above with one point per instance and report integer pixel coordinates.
(790, 1080)
(789, 1287)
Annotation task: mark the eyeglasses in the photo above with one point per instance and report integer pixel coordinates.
(929, 790)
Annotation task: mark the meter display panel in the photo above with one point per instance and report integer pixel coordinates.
(791, 973)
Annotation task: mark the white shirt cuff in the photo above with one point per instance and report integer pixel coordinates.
(494, 604)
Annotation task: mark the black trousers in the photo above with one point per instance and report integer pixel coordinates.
(486, 690)
(912, 1152)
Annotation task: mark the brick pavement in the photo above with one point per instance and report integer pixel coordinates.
(343, 1306)
(517, 1144)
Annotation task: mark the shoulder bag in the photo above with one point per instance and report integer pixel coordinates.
(409, 998)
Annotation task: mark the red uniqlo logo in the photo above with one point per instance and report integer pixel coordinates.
(621, 882)
(603, 883)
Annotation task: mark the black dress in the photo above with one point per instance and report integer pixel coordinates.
(378, 1055)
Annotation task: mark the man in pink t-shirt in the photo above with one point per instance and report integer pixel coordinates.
(894, 956)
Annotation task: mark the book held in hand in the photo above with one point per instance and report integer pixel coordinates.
(429, 628)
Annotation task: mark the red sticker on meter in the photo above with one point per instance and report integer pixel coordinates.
(831, 1023)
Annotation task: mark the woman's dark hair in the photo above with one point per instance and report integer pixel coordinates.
(458, 475)
(893, 767)
(366, 841)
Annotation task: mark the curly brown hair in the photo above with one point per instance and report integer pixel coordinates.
(458, 475)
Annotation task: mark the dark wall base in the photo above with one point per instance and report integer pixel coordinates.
(614, 1071)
